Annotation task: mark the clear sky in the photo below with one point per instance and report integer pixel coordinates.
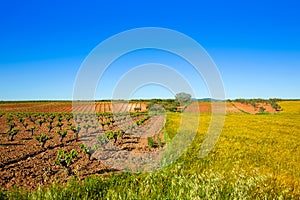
(255, 44)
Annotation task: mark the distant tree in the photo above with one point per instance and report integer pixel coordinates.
(274, 104)
(253, 103)
(183, 97)
(262, 109)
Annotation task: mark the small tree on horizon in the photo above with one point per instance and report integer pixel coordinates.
(183, 97)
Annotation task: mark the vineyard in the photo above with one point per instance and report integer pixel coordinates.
(68, 106)
(42, 147)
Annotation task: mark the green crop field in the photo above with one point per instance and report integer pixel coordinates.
(256, 157)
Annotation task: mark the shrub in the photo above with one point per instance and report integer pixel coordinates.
(42, 139)
(50, 127)
(32, 119)
(102, 139)
(12, 133)
(31, 129)
(262, 109)
(96, 147)
(109, 134)
(112, 135)
(41, 121)
(102, 124)
(65, 159)
(86, 127)
(253, 103)
(25, 124)
(9, 118)
(274, 104)
(159, 142)
(52, 116)
(11, 125)
(50, 121)
(68, 117)
(59, 124)
(86, 151)
(1, 114)
(21, 119)
(150, 142)
(60, 119)
(75, 130)
(61, 134)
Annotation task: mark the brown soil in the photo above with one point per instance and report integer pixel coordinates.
(248, 108)
(66, 107)
(231, 107)
(24, 163)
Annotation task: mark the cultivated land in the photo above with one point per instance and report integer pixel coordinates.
(257, 154)
(68, 106)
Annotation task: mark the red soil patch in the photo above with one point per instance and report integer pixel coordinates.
(253, 110)
(202, 107)
(206, 107)
(231, 107)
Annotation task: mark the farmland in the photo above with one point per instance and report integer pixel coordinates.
(257, 155)
(68, 106)
(29, 138)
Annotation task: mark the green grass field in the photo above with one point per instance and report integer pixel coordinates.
(256, 157)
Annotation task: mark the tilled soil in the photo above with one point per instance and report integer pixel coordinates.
(24, 163)
(68, 107)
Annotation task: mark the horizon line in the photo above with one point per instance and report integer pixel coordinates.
(141, 99)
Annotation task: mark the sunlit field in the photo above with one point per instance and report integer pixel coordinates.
(256, 157)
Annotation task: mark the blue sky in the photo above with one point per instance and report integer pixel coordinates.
(255, 44)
